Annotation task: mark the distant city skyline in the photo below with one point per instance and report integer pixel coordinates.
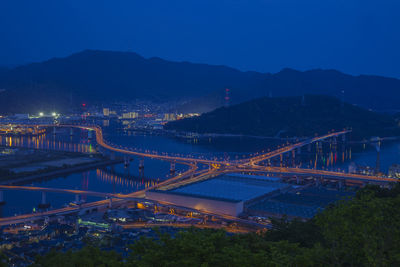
(355, 37)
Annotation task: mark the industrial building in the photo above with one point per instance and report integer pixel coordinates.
(239, 194)
(227, 194)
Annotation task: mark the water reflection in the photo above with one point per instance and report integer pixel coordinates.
(59, 142)
(126, 180)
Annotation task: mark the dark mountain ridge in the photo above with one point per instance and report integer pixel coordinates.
(101, 76)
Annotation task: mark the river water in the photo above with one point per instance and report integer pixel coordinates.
(120, 179)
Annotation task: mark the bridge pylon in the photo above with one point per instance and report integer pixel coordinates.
(90, 134)
(2, 202)
(172, 167)
(43, 204)
(293, 158)
(126, 161)
(141, 164)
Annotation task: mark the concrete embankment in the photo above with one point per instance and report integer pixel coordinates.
(60, 172)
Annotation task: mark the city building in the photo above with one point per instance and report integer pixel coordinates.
(169, 117)
(394, 171)
(130, 115)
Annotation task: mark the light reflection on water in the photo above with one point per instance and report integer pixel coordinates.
(119, 179)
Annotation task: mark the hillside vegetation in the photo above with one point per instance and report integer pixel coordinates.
(289, 117)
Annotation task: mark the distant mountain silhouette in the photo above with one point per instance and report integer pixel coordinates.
(289, 117)
(3, 71)
(99, 76)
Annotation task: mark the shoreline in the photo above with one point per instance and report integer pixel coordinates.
(55, 173)
(189, 135)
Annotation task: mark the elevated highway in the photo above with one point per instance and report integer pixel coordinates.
(58, 190)
(191, 175)
(320, 174)
(183, 160)
(289, 148)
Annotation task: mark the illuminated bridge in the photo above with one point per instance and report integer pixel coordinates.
(191, 175)
(178, 159)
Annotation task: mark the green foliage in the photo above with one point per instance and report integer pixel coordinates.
(295, 231)
(215, 248)
(3, 259)
(290, 116)
(86, 257)
(362, 232)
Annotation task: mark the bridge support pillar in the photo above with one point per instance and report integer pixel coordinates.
(126, 162)
(110, 203)
(112, 156)
(54, 130)
(90, 134)
(43, 204)
(141, 164)
(293, 158)
(71, 131)
(77, 198)
(2, 202)
(297, 180)
(172, 167)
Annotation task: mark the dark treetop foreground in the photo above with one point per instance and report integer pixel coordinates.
(364, 231)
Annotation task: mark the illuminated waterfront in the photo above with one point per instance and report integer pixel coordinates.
(128, 179)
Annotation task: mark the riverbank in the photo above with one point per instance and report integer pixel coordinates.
(190, 135)
(60, 172)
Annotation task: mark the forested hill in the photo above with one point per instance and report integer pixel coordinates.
(290, 116)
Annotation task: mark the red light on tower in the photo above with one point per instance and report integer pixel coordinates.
(227, 98)
(83, 110)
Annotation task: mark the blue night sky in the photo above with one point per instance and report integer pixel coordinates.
(354, 36)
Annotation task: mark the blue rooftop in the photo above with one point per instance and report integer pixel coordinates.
(232, 187)
(305, 203)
